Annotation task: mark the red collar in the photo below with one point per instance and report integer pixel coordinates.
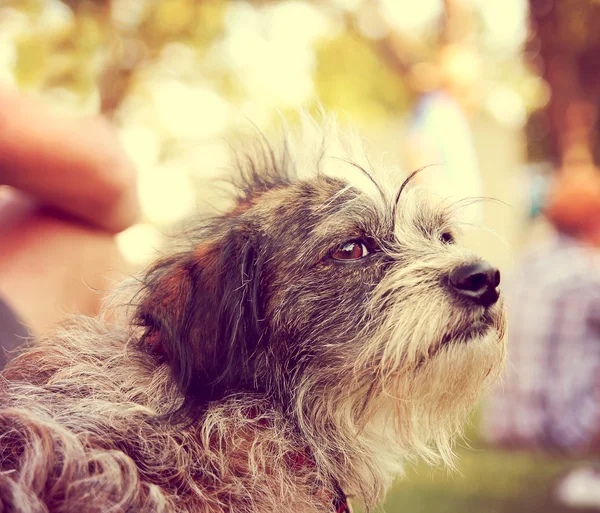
(303, 459)
(340, 502)
(339, 499)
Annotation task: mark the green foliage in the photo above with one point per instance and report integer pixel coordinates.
(352, 78)
(183, 21)
(349, 75)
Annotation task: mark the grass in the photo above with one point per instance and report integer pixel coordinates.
(488, 481)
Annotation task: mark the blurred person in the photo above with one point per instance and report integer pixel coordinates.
(66, 187)
(439, 133)
(549, 399)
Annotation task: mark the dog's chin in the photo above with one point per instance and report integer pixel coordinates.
(431, 400)
(472, 333)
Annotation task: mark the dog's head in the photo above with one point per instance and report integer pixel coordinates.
(349, 307)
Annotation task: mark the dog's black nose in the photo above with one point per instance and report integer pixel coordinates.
(476, 281)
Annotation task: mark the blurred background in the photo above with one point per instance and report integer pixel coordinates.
(502, 93)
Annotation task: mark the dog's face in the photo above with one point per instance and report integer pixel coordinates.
(346, 307)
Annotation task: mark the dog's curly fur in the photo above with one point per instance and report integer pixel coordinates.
(252, 372)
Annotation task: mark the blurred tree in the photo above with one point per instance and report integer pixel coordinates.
(103, 49)
(106, 43)
(564, 49)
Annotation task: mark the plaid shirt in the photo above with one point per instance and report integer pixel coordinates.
(550, 397)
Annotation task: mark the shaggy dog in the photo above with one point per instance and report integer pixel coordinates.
(285, 355)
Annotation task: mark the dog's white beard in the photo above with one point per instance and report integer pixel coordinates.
(416, 412)
(432, 404)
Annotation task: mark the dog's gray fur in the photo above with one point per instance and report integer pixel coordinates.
(252, 372)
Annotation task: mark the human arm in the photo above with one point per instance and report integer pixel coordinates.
(73, 164)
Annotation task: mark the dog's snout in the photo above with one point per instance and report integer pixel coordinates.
(477, 281)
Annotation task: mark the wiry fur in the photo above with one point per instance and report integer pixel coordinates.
(251, 372)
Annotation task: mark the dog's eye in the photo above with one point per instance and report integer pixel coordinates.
(351, 250)
(447, 238)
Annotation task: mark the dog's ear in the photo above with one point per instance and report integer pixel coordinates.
(202, 310)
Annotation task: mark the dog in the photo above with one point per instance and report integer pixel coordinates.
(288, 354)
